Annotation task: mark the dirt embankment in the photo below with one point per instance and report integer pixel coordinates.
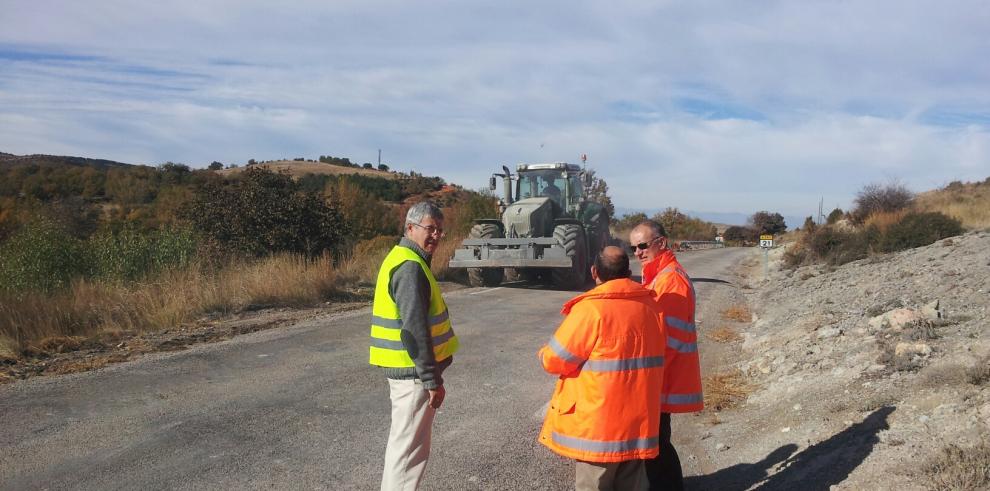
(861, 377)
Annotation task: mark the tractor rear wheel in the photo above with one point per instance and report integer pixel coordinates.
(485, 276)
(570, 236)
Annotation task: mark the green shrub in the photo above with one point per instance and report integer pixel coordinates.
(831, 245)
(834, 216)
(41, 256)
(129, 254)
(918, 229)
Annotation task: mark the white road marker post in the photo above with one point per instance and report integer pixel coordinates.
(766, 242)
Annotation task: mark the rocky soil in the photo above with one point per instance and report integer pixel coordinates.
(860, 375)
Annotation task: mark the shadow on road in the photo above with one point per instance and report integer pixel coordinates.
(817, 467)
(709, 280)
(741, 476)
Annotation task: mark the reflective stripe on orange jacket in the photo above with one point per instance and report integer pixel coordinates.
(675, 296)
(608, 352)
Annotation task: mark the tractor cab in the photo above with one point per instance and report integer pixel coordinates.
(558, 181)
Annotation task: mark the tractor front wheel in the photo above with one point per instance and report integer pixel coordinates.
(485, 276)
(570, 236)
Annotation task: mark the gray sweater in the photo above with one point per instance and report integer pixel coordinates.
(410, 288)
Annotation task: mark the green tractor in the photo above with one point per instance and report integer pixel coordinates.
(548, 229)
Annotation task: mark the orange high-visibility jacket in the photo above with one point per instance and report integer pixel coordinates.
(608, 352)
(674, 293)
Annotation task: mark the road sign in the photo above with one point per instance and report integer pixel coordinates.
(766, 241)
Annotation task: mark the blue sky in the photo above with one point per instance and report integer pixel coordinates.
(703, 105)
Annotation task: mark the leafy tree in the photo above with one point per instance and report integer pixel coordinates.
(598, 192)
(215, 165)
(739, 234)
(383, 167)
(809, 224)
(343, 162)
(768, 223)
(627, 222)
(263, 212)
(683, 227)
(367, 165)
(174, 174)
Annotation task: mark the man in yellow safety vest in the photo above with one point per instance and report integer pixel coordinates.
(413, 342)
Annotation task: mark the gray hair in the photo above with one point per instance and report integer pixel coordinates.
(654, 226)
(421, 210)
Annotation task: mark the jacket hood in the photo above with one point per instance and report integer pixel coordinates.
(618, 288)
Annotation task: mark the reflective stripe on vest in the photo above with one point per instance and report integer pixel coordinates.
(562, 352)
(680, 324)
(600, 446)
(387, 349)
(605, 365)
(680, 346)
(671, 399)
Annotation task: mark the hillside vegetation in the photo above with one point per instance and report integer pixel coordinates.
(967, 202)
(890, 218)
(90, 247)
(298, 169)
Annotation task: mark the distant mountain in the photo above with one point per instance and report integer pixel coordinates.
(10, 160)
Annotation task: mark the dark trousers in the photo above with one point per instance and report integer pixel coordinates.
(664, 471)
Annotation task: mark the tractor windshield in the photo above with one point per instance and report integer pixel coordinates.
(548, 183)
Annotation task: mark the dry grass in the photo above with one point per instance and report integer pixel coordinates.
(738, 313)
(442, 257)
(725, 390)
(51, 323)
(945, 375)
(960, 468)
(8, 351)
(361, 267)
(969, 203)
(883, 220)
(723, 334)
(979, 374)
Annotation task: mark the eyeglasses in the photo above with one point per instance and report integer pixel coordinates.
(643, 245)
(430, 229)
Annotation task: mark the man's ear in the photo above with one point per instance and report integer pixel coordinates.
(594, 272)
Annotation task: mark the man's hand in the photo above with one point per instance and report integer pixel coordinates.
(436, 397)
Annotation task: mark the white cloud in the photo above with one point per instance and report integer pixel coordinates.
(836, 94)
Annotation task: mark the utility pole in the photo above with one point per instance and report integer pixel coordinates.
(379, 157)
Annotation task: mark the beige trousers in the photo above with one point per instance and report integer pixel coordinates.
(408, 445)
(619, 476)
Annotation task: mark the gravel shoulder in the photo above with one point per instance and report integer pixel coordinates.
(858, 376)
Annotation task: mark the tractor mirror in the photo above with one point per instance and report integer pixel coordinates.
(491, 183)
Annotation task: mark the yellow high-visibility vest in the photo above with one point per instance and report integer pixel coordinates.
(386, 322)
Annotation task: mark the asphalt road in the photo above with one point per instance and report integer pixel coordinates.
(300, 408)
